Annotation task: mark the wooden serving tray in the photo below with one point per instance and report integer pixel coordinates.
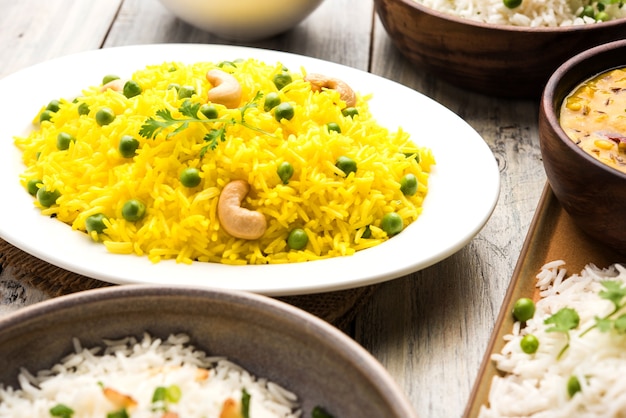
(552, 236)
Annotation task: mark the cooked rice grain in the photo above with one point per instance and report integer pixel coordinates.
(531, 13)
(136, 367)
(181, 223)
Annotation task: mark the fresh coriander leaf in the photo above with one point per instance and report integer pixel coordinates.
(166, 115)
(604, 324)
(319, 412)
(245, 404)
(620, 324)
(190, 109)
(181, 128)
(564, 320)
(614, 292)
(62, 411)
(214, 136)
(153, 126)
(122, 413)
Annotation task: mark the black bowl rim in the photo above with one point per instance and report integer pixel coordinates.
(363, 361)
(550, 103)
(591, 28)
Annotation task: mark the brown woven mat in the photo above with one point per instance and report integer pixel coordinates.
(338, 308)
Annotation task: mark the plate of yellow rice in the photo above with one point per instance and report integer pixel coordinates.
(234, 167)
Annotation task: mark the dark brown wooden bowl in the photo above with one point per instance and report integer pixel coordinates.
(592, 193)
(498, 60)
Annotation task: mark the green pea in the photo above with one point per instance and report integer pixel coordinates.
(512, 4)
(53, 106)
(133, 210)
(173, 86)
(350, 111)
(333, 127)
(33, 186)
(282, 79)
(227, 64)
(63, 140)
(523, 309)
(272, 99)
(285, 171)
(367, 233)
(392, 224)
(105, 116)
(173, 393)
(190, 177)
(95, 223)
(185, 92)
(297, 239)
(408, 184)
(573, 386)
(602, 16)
(209, 111)
(47, 197)
(108, 78)
(128, 146)
(46, 115)
(284, 111)
(587, 11)
(131, 89)
(346, 164)
(83, 109)
(529, 344)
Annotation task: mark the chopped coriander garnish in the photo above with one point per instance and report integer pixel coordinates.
(319, 412)
(61, 411)
(164, 119)
(245, 403)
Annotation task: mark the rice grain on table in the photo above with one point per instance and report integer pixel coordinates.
(181, 223)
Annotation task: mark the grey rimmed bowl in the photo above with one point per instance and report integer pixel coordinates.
(271, 339)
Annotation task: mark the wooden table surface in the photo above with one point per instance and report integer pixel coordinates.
(429, 329)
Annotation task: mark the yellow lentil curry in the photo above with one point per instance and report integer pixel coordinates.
(594, 117)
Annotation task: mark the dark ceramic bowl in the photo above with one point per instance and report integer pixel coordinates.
(498, 60)
(270, 338)
(591, 192)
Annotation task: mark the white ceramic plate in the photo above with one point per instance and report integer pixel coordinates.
(463, 188)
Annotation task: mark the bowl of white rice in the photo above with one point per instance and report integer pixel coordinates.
(504, 48)
(146, 351)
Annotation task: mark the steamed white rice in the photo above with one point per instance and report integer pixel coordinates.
(136, 368)
(531, 13)
(535, 385)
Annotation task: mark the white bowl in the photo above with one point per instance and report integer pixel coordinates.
(243, 20)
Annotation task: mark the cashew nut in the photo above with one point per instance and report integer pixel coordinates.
(320, 81)
(226, 89)
(115, 85)
(237, 221)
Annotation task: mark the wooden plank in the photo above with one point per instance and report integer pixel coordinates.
(324, 34)
(431, 329)
(34, 31)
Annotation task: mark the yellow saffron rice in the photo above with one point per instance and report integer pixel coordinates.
(181, 223)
